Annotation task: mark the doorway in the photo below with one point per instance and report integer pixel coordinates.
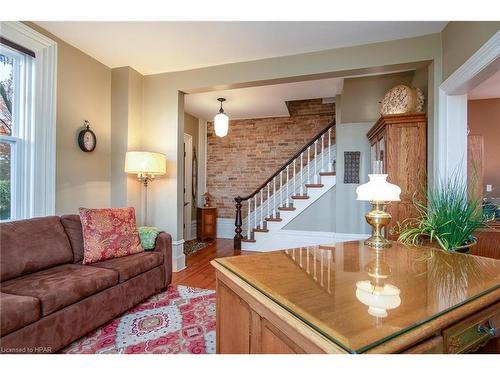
(188, 175)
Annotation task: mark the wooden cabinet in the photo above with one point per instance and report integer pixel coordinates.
(400, 142)
(206, 222)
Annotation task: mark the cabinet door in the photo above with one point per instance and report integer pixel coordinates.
(273, 341)
(233, 322)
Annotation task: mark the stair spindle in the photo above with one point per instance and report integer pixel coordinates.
(309, 164)
(301, 174)
(249, 219)
(294, 179)
(329, 150)
(281, 188)
(274, 198)
(287, 203)
(261, 209)
(255, 211)
(322, 153)
(315, 162)
(268, 201)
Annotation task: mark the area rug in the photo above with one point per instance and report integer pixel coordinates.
(192, 246)
(180, 320)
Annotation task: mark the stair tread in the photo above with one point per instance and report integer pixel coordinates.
(327, 173)
(300, 197)
(260, 230)
(314, 185)
(273, 219)
(245, 240)
(286, 208)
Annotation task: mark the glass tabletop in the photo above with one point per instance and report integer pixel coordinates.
(359, 297)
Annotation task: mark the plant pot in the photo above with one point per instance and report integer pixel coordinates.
(465, 249)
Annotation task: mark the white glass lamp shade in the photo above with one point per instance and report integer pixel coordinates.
(141, 162)
(379, 299)
(221, 124)
(378, 189)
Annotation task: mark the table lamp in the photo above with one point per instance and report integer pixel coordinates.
(146, 165)
(379, 193)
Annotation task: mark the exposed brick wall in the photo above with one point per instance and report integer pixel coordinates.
(252, 151)
(310, 107)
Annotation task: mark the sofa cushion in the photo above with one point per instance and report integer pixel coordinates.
(132, 265)
(17, 312)
(61, 286)
(109, 233)
(73, 227)
(27, 246)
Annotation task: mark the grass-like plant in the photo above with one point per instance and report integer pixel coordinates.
(448, 215)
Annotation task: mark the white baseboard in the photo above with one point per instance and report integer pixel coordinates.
(178, 257)
(225, 228)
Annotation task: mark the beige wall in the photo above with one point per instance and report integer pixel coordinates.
(483, 117)
(126, 135)
(461, 39)
(361, 96)
(83, 93)
(191, 125)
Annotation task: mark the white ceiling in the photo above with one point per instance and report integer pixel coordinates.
(156, 47)
(488, 89)
(261, 101)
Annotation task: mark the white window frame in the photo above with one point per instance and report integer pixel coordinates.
(35, 160)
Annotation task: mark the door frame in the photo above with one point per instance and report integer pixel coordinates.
(452, 129)
(188, 175)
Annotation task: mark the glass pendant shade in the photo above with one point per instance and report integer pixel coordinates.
(377, 189)
(221, 124)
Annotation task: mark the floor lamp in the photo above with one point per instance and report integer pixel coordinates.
(146, 165)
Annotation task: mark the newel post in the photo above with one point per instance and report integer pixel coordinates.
(238, 223)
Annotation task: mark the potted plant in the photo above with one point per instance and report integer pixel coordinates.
(448, 216)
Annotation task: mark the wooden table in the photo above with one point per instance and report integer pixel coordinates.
(349, 298)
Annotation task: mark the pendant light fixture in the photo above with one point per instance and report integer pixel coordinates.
(221, 121)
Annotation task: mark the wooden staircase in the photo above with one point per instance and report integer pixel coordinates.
(298, 183)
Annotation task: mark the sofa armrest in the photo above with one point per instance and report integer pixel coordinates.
(164, 245)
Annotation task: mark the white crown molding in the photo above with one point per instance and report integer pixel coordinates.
(481, 63)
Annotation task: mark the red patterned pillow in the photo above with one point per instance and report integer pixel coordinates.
(109, 233)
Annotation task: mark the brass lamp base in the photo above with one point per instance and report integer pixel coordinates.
(378, 219)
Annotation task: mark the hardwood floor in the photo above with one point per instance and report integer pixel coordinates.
(199, 273)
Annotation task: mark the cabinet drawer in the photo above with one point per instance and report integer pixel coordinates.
(472, 333)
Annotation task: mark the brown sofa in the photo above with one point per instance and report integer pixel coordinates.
(49, 299)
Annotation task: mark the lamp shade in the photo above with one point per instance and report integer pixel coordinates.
(221, 124)
(378, 189)
(379, 299)
(145, 162)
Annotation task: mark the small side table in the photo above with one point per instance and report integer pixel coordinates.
(206, 222)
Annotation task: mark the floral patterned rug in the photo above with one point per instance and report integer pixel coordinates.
(179, 320)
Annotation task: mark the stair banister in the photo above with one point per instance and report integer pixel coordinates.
(238, 221)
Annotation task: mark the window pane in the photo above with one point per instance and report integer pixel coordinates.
(5, 173)
(6, 93)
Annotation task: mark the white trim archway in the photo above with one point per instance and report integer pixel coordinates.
(452, 131)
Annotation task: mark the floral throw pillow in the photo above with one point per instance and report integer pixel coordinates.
(109, 233)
